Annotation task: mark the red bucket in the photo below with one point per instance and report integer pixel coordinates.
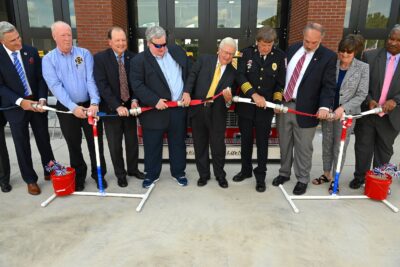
(65, 184)
(377, 187)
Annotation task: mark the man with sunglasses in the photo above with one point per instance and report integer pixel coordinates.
(157, 75)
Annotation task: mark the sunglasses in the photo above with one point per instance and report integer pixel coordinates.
(159, 45)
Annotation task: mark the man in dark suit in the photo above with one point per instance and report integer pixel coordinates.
(209, 76)
(261, 76)
(375, 134)
(310, 88)
(111, 68)
(157, 75)
(22, 84)
(4, 159)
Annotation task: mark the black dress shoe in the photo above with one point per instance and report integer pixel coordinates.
(280, 180)
(356, 183)
(240, 177)
(79, 187)
(222, 182)
(5, 187)
(202, 181)
(260, 186)
(300, 188)
(138, 174)
(122, 182)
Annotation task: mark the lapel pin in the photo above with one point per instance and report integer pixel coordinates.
(25, 53)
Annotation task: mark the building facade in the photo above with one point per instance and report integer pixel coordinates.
(197, 25)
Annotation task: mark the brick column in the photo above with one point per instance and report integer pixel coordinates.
(95, 17)
(329, 13)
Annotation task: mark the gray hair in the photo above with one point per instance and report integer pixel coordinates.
(59, 23)
(266, 34)
(394, 29)
(6, 27)
(155, 32)
(315, 26)
(228, 41)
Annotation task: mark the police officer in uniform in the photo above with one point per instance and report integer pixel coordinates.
(261, 76)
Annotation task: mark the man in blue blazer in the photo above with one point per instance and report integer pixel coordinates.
(22, 84)
(111, 68)
(310, 88)
(157, 75)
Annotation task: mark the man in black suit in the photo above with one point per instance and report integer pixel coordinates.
(157, 75)
(111, 68)
(261, 76)
(310, 88)
(22, 84)
(375, 134)
(209, 76)
(4, 159)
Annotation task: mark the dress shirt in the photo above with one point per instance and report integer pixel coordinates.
(396, 60)
(173, 74)
(70, 76)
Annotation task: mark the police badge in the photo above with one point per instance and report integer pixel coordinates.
(78, 61)
(274, 66)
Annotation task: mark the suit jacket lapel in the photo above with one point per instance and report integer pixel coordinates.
(11, 67)
(312, 63)
(151, 59)
(349, 73)
(395, 78)
(381, 68)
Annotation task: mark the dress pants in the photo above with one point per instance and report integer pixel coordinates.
(262, 131)
(209, 132)
(296, 146)
(153, 145)
(374, 140)
(71, 128)
(116, 129)
(4, 159)
(21, 138)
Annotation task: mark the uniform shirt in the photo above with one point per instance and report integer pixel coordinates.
(70, 76)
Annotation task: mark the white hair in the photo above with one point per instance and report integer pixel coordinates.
(228, 41)
(6, 27)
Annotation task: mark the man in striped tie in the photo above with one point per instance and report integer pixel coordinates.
(22, 84)
(310, 88)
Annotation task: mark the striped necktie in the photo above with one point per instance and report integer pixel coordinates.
(20, 70)
(288, 95)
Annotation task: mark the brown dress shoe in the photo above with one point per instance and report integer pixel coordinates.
(33, 189)
(47, 178)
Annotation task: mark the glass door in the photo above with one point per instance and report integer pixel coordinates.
(373, 19)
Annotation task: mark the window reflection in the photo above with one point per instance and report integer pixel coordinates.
(190, 45)
(72, 13)
(40, 13)
(140, 43)
(269, 13)
(147, 13)
(3, 11)
(186, 14)
(229, 13)
(43, 45)
(374, 43)
(347, 14)
(378, 13)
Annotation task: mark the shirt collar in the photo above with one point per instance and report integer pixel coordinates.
(388, 55)
(63, 54)
(116, 55)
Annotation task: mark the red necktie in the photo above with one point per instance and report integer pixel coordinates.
(288, 95)
(123, 81)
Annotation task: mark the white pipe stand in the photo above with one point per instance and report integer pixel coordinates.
(99, 194)
(290, 199)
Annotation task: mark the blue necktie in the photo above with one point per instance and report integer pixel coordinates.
(18, 67)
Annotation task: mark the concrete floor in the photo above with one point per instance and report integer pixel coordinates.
(194, 226)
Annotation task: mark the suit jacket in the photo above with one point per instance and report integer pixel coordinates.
(318, 86)
(200, 79)
(377, 63)
(11, 87)
(3, 121)
(149, 84)
(267, 78)
(106, 75)
(354, 87)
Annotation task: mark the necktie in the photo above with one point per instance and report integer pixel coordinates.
(386, 83)
(288, 95)
(215, 81)
(123, 80)
(18, 67)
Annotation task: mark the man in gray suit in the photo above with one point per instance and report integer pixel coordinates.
(375, 134)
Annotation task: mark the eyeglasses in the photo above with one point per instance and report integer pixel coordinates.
(159, 45)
